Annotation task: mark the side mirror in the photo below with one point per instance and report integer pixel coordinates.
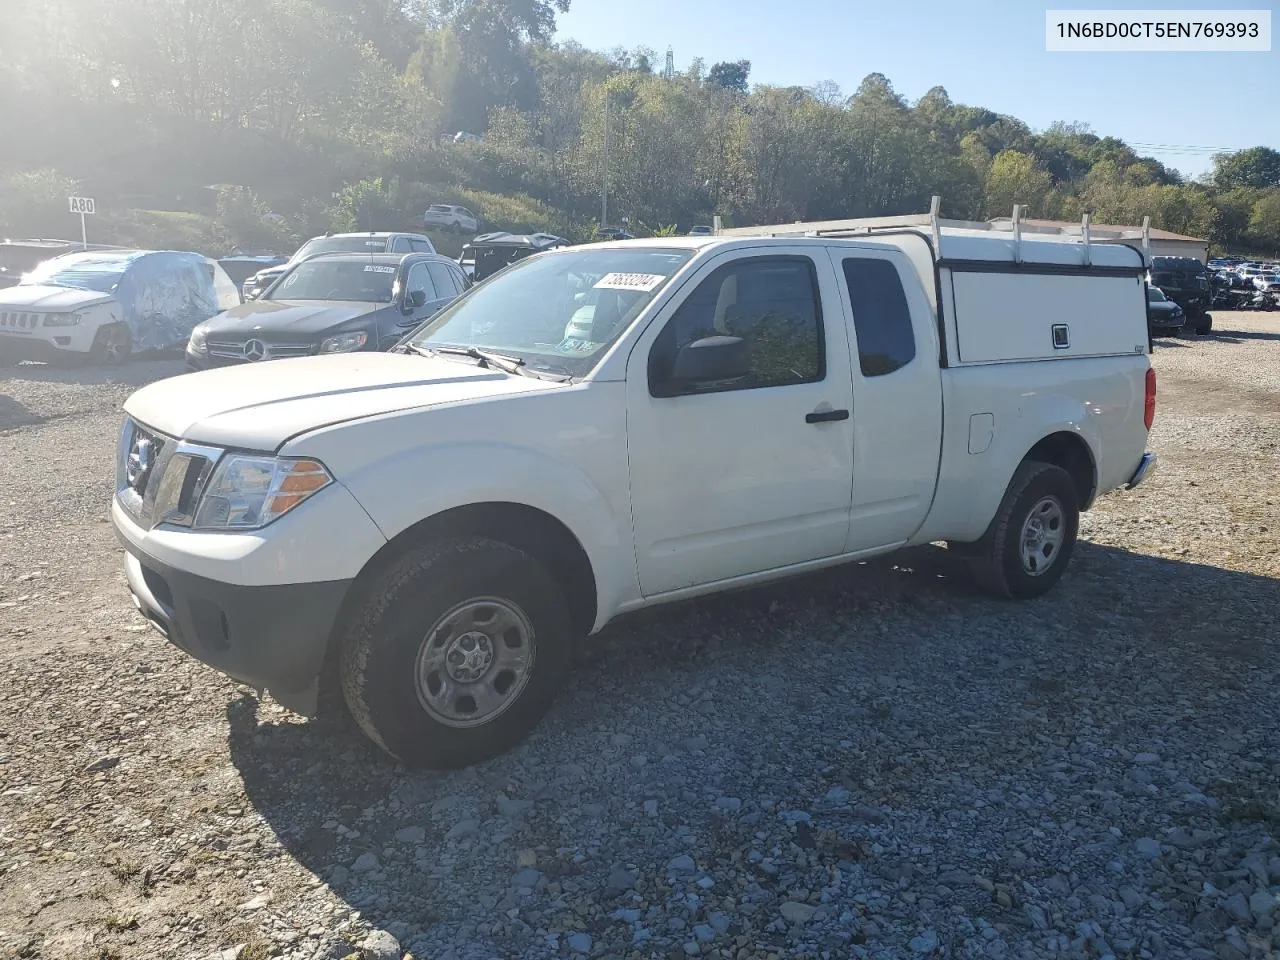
(710, 359)
(415, 300)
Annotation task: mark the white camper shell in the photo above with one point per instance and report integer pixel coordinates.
(1004, 296)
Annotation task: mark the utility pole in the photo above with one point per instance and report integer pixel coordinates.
(604, 170)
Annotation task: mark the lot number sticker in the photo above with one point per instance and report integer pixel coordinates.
(371, 268)
(643, 282)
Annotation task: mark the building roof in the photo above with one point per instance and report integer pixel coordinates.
(1097, 229)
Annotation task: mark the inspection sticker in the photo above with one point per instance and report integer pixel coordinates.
(373, 268)
(629, 281)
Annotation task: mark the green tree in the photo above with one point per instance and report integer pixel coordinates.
(732, 75)
(1257, 167)
(1264, 221)
(1016, 178)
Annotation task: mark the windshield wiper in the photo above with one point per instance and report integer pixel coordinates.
(487, 359)
(483, 357)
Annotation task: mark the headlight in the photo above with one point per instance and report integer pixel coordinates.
(248, 492)
(199, 342)
(344, 342)
(62, 319)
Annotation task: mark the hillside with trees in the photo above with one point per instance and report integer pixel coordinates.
(224, 124)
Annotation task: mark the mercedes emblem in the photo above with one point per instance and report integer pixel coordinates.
(255, 350)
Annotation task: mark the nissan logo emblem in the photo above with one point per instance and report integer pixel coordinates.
(255, 350)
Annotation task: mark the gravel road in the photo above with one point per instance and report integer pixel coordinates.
(871, 762)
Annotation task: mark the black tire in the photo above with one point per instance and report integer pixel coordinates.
(1204, 325)
(996, 560)
(400, 622)
(112, 345)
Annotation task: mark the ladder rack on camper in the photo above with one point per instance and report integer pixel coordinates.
(937, 225)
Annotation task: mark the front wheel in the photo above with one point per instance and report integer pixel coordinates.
(112, 345)
(1027, 548)
(456, 652)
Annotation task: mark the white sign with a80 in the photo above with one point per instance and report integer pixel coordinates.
(81, 204)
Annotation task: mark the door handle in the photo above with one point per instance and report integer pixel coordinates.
(826, 416)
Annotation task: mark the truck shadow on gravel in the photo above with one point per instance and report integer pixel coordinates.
(806, 676)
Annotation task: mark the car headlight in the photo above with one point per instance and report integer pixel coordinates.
(199, 342)
(62, 319)
(344, 342)
(248, 492)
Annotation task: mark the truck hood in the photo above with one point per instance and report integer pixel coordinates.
(288, 316)
(259, 407)
(51, 298)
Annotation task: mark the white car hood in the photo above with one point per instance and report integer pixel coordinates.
(51, 298)
(260, 406)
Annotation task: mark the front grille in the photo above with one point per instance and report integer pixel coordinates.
(160, 479)
(234, 350)
(19, 320)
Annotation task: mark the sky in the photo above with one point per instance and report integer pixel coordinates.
(1181, 107)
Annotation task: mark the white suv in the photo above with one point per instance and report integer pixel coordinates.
(451, 217)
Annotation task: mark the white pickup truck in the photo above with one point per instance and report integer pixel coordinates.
(607, 427)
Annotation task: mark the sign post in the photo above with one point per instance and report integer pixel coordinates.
(83, 206)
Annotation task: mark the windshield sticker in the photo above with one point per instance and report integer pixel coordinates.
(576, 345)
(373, 243)
(371, 268)
(643, 282)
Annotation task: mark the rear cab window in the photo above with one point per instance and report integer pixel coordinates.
(881, 317)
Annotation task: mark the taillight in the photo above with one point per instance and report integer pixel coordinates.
(1149, 409)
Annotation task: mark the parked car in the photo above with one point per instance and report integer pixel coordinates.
(462, 136)
(448, 216)
(1185, 281)
(330, 303)
(603, 428)
(490, 252)
(241, 267)
(107, 304)
(613, 233)
(372, 242)
(1267, 282)
(700, 231)
(1164, 317)
(21, 256)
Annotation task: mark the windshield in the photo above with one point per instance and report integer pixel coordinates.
(79, 273)
(1155, 295)
(557, 312)
(336, 280)
(356, 244)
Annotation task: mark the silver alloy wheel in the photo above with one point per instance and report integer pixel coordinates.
(1042, 536)
(115, 346)
(474, 662)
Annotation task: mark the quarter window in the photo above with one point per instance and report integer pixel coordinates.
(881, 318)
(771, 303)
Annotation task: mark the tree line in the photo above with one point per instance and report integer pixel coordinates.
(265, 120)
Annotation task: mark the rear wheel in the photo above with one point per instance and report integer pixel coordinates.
(112, 345)
(457, 651)
(1204, 324)
(1027, 548)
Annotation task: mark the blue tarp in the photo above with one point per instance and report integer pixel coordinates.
(162, 294)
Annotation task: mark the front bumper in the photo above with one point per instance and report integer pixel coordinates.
(1145, 466)
(38, 348)
(273, 637)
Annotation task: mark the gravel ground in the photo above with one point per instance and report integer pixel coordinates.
(872, 762)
